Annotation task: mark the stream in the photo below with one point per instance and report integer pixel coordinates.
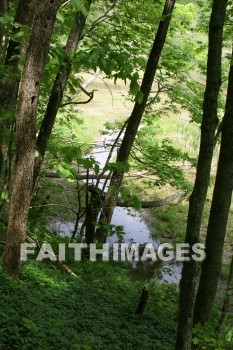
(135, 228)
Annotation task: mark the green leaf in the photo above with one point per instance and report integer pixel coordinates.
(96, 169)
(195, 341)
(29, 324)
(5, 196)
(60, 17)
(136, 203)
(87, 163)
(81, 6)
(134, 87)
(126, 167)
(139, 97)
(66, 172)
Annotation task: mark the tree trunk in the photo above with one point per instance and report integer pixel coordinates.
(57, 91)
(45, 15)
(228, 297)
(1, 157)
(9, 89)
(92, 211)
(136, 116)
(2, 11)
(218, 218)
(143, 301)
(198, 196)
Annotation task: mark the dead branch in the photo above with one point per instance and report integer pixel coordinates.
(58, 261)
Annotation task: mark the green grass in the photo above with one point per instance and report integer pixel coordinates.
(170, 222)
(108, 105)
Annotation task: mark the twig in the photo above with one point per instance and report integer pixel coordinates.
(111, 151)
(100, 19)
(91, 95)
(53, 205)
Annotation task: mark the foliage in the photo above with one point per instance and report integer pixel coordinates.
(96, 310)
(171, 222)
(205, 337)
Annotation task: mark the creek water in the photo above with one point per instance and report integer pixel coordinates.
(135, 228)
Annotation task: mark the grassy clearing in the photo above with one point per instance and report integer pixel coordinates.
(109, 104)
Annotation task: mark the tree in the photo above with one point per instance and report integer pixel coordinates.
(58, 89)
(220, 206)
(135, 118)
(198, 196)
(45, 15)
(228, 297)
(9, 88)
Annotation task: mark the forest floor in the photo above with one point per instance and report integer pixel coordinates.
(48, 309)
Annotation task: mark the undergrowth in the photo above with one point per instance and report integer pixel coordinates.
(48, 309)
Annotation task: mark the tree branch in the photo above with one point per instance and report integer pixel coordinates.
(100, 19)
(90, 94)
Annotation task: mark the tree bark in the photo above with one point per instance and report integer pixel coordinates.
(221, 202)
(9, 89)
(228, 297)
(2, 11)
(57, 91)
(45, 15)
(136, 117)
(198, 196)
(92, 212)
(142, 302)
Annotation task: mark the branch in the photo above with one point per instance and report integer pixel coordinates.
(110, 154)
(90, 94)
(64, 4)
(53, 205)
(100, 19)
(160, 88)
(58, 261)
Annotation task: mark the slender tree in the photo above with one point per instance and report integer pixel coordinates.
(9, 88)
(2, 11)
(58, 89)
(45, 15)
(218, 218)
(136, 117)
(228, 297)
(198, 196)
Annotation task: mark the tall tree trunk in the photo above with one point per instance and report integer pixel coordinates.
(57, 91)
(198, 196)
(2, 11)
(221, 202)
(45, 15)
(228, 297)
(136, 116)
(9, 89)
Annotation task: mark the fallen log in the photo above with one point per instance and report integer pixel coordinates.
(83, 176)
(152, 204)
